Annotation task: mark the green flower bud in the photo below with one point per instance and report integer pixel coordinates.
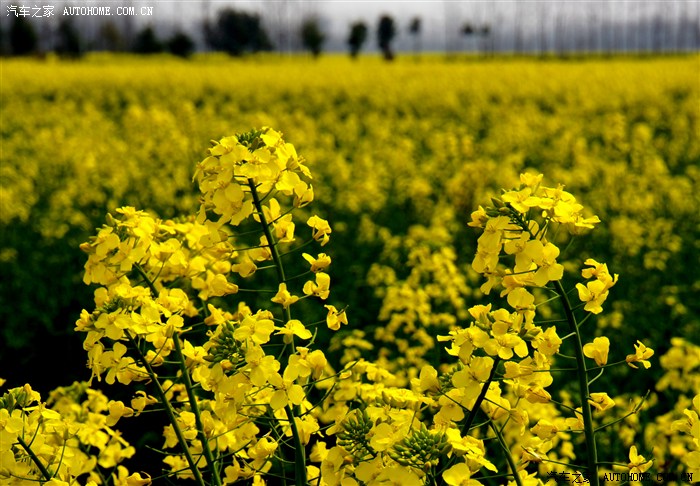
(497, 203)
(530, 334)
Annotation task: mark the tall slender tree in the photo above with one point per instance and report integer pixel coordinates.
(23, 38)
(386, 31)
(357, 37)
(69, 42)
(180, 44)
(312, 37)
(147, 41)
(110, 38)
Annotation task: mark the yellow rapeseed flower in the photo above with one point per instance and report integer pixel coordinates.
(641, 355)
(638, 464)
(598, 350)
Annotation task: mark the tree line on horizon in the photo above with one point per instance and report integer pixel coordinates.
(239, 32)
(235, 32)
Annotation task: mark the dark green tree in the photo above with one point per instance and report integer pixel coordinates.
(23, 38)
(180, 45)
(68, 43)
(358, 36)
(110, 37)
(147, 42)
(386, 32)
(237, 33)
(312, 36)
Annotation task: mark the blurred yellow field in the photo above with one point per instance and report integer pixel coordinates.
(401, 154)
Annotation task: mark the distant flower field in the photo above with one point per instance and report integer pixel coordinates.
(419, 181)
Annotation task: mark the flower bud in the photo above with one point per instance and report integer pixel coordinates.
(169, 331)
(530, 334)
(497, 203)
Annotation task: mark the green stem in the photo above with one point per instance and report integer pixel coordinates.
(475, 409)
(211, 465)
(169, 411)
(602, 370)
(589, 431)
(482, 395)
(276, 258)
(300, 452)
(509, 457)
(35, 459)
(300, 459)
(636, 409)
(140, 271)
(565, 464)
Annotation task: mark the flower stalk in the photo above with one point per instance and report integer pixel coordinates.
(509, 457)
(169, 411)
(582, 374)
(299, 450)
(47, 475)
(194, 407)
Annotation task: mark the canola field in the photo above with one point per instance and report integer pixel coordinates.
(401, 156)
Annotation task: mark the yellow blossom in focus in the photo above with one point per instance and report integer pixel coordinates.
(283, 296)
(319, 263)
(286, 391)
(531, 180)
(544, 429)
(261, 366)
(429, 379)
(521, 200)
(294, 328)
(638, 464)
(459, 475)
(593, 294)
(398, 476)
(478, 218)
(641, 355)
(598, 350)
(335, 317)
(548, 342)
(259, 330)
(321, 288)
(601, 401)
(321, 229)
(472, 376)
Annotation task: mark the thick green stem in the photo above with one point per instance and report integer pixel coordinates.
(509, 457)
(588, 430)
(299, 450)
(140, 271)
(475, 409)
(211, 466)
(300, 458)
(35, 459)
(169, 411)
(482, 395)
(276, 258)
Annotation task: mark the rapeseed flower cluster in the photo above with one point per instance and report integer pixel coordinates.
(71, 434)
(159, 304)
